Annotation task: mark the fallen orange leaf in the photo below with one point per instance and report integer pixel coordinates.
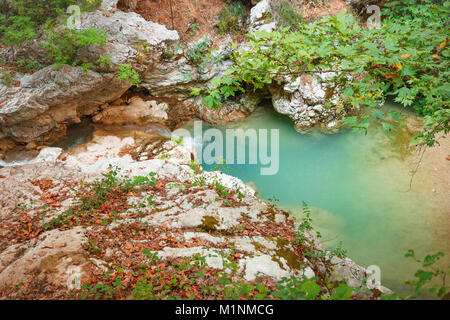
(442, 45)
(397, 66)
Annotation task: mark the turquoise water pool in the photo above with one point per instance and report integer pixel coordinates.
(357, 187)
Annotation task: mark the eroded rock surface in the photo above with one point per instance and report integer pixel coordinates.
(310, 101)
(51, 238)
(50, 98)
(43, 104)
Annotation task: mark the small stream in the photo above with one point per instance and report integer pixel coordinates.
(356, 186)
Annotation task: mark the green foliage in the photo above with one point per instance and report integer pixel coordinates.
(173, 51)
(339, 251)
(27, 65)
(163, 284)
(63, 44)
(221, 190)
(127, 73)
(407, 58)
(178, 140)
(198, 51)
(17, 30)
(300, 240)
(93, 196)
(298, 289)
(22, 20)
(410, 9)
(194, 28)
(232, 18)
(196, 167)
(310, 289)
(6, 78)
(105, 291)
(104, 62)
(200, 55)
(430, 278)
(286, 14)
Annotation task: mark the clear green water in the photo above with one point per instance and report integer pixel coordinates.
(355, 185)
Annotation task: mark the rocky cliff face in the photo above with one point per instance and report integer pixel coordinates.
(68, 218)
(43, 104)
(50, 98)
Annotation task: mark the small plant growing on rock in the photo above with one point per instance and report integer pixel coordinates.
(63, 44)
(104, 61)
(221, 190)
(178, 140)
(196, 167)
(127, 73)
(27, 65)
(197, 52)
(6, 78)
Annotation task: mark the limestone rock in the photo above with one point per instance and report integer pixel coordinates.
(263, 265)
(53, 255)
(256, 19)
(48, 155)
(52, 97)
(304, 101)
(137, 111)
(109, 5)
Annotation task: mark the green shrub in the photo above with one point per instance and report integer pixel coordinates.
(127, 73)
(406, 58)
(232, 18)
(63, 45)
(200, 55)
(6, 78)
(104, 62)
(286, 14)
(27, 65)
(22, 20)
(199, 50)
